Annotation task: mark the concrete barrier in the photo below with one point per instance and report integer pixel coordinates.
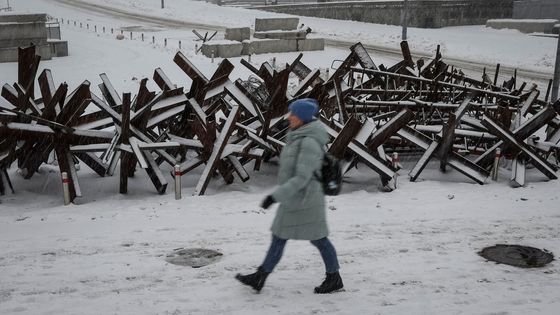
(59, 48)
(222, 49)
(273, 24)
(238, 34)
(23, 18)
(21, 30)
(21, 34)
(311, 44)
(53, 31)
(301, 34)
(266, 46)
(10, 54)
(524, 26)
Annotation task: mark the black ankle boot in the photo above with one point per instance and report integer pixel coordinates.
(255, 280)
(332, 283)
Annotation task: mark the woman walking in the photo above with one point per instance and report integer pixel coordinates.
(301, 214)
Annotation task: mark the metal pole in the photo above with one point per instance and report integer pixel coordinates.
(177, 182)
(162, 4)
(405, 20)
(556, 83)
(66, 188)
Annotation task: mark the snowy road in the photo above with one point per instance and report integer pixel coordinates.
(471, 65)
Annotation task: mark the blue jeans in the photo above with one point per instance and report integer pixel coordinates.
(328, 253)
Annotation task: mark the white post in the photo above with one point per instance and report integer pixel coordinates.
(212, 56)
(274, 63)
(496, 165)
(404, 20)
(196, 49)
(327, 75)
(66, 188)
(396, 165)
(556, 82)
(395, 161)
(177, 169)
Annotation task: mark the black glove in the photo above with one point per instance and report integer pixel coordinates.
(267, 202)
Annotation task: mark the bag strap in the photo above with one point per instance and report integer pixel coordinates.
(317, 177)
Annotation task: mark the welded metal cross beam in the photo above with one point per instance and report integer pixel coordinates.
(519, 146)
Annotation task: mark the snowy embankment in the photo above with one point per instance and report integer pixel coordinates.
(412, 251)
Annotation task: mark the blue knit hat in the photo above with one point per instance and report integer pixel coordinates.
(305, 109)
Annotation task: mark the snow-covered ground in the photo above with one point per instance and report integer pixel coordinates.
(412, 251)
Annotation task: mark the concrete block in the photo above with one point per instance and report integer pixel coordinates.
(311, 44)
(21, 31)
(266, 46)
(23, 18)
(246, 48)
(53, 31)
(301, 34)
(10, 54)
(222, 49)
(59, 48)
(22, 42)
(272, 24)
(524, 26)
(238, 34)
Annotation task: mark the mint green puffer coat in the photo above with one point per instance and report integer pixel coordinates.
(301, 214)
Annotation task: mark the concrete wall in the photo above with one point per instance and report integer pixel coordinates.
(536, 9)
(425, 13)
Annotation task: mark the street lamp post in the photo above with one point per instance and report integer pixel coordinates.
(556, 81)
(404, 21)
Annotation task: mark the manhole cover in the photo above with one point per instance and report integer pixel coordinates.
(516, 255)
(193, 257)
